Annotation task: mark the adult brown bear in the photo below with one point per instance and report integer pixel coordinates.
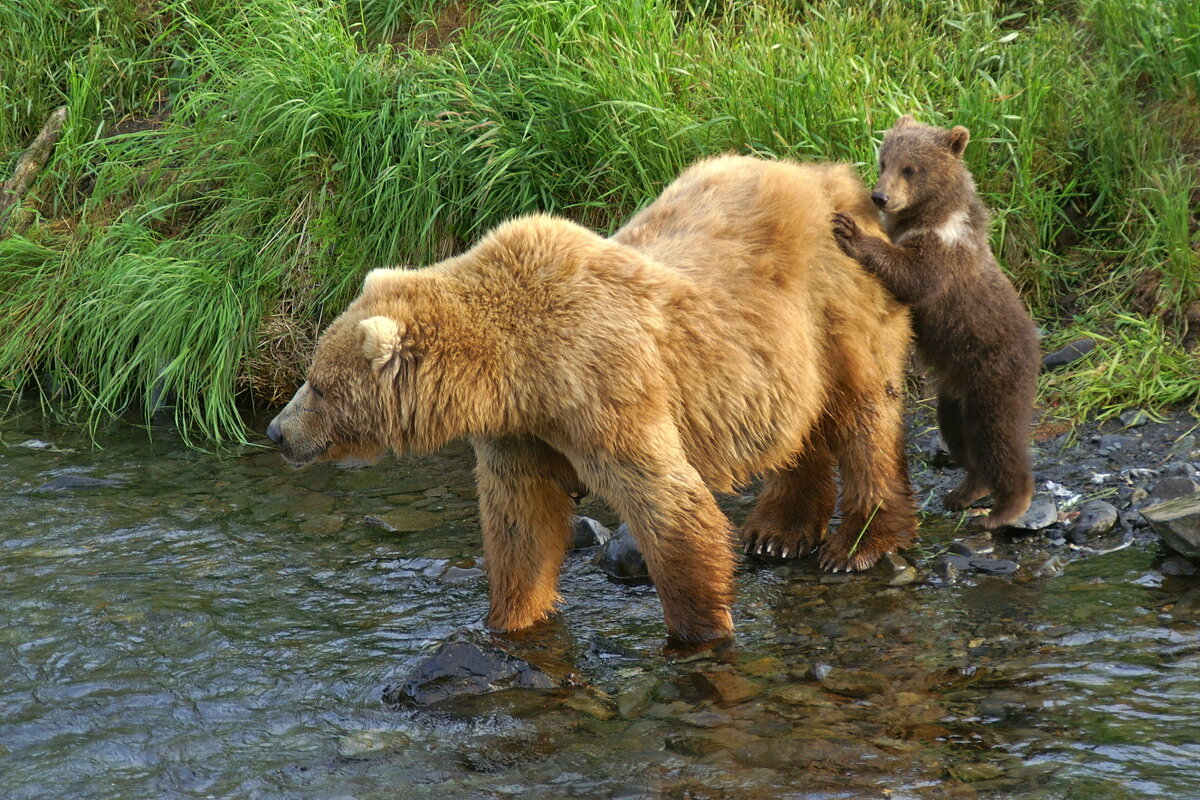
(720, 334)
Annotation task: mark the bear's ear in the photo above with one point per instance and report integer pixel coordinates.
(382, 343)
(957, 138)
(905, 121)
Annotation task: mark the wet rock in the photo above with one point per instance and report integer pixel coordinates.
(1104, 544)
(1171, 488)
(463, 668)
(1137, 496)
(1178, 567)
(1186, 448)
(1178, 523)
(75, 483)
(980, 544)
(1116, 446)
(1096, 517)
(587, 532)
(1068, 354)
(894, 570)
(595, 707)
(620, 559)
(635, 696)
(370, 742)
(855, 683)
(819, 672)
(808, 753)
(1042, 513)
(404, 520)
(995, 566)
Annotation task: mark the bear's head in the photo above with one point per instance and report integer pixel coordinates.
(357, 396)
(920, 166)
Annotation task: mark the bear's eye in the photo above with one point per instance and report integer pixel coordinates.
(908, 172)
(312, 387)
(882, 166)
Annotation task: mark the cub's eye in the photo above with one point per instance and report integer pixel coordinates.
(908, 172)
(312, 387)
(882, 166)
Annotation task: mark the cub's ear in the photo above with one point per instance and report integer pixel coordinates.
(383, 343)
(905, 121)
(957, 138)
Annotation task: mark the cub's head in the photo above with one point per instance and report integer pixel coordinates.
(919, 165)
(350, 408)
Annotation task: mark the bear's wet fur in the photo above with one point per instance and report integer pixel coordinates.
(720, 334)
(972, 330)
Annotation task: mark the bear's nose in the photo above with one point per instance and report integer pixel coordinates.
(273, 432)
(879, 199)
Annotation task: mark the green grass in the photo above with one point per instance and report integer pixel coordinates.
(229, 171)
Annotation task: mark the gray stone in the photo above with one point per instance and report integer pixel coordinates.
(948, 567)
(621, 560)
(1137, 496)
(972, 546)
(462, 668)
(461, 574)
(1042, 513)
(1171, 488)
(1065, 355)
(1178, 523)
(1133, 417)
(1110, 442)
(1178, 469)
(1095, 517)
(995, 566)
(1178, 567)
(587, 532)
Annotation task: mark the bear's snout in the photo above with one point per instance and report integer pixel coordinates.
(274, 433)
(879, 198)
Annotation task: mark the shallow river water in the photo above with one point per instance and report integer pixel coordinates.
(204, 626)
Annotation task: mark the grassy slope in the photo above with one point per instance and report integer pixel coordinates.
(230, 169)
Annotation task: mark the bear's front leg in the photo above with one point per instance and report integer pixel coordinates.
(525, 514)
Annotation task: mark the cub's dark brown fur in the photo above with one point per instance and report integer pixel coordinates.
(972, 329)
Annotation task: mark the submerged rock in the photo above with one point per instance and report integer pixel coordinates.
(980, 544)
(995, 566)
(462, 668)
(1178, 523)
(1095, 518)
(72, 483)
(1042, 513)
(404, 520)
(621, 560)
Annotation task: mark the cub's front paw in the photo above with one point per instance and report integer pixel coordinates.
(847, 234)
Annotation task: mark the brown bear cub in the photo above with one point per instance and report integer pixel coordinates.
(972, 329)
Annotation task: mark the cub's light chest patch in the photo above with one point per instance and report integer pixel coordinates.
(956, 230)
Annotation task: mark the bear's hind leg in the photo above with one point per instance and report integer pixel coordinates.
(525, 515)
(1002, 454)
(953, 424)
(792, 514)
(684, 537)
(878, 512)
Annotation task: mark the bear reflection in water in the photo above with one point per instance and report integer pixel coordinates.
(719, 335)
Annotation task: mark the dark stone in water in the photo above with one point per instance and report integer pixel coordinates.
(1066, 355)
(463, 668)
(995, 566)
(972, 546)
(1042, 513)
(587, 532)
(621, 560)
(948, 567)
(71, 483)
(460, 574)
(1095, 517)
(1178, 523)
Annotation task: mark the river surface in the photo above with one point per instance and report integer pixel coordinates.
(202, 626)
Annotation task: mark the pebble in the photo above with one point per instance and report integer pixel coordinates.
(948, 567)
(461, 574)
(1133, 417)
(1095, 517)
(1042, 513)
